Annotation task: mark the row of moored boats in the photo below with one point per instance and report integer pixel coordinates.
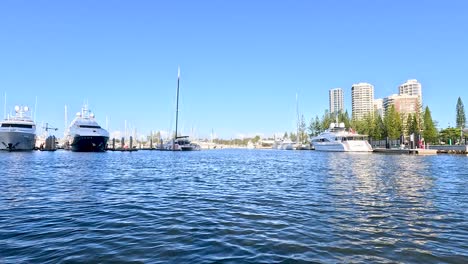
(18, 132)
(85, 135)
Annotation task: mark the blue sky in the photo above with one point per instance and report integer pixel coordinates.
(242, 62)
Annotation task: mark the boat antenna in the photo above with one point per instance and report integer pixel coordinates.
(35, 110)
(4, 108)
(177, 106)
(125, 135)
(66, 117)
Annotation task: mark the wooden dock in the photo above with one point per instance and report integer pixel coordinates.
(123, 149)
(423, 151)
(406, 151)
(450, 149)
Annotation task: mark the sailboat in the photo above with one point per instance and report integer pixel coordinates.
(286, 143)
(300, 144)
(180, 143)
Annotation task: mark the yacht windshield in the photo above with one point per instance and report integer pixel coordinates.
(183, 142)
(356, 138)
(88, 126)
(17, 125)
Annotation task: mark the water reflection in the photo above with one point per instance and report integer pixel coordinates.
(384, 202)
(232, 205)
(15, 183)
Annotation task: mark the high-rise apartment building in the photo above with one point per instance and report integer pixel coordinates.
(378, 107)
(362, 97)
(336, 100)
(412, 87)
(404, 103)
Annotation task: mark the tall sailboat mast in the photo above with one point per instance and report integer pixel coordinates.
(66, 121)
(4, 108)
(177, 104)
(297, 124)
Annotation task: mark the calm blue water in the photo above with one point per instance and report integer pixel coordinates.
(260, 206)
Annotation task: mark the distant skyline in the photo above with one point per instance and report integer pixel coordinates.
(242, 62)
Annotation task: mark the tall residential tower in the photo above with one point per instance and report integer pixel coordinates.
(336, 100)
(362, 97)
(412, 87)
(403, 103)
(378, 107)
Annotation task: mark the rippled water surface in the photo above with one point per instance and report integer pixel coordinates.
(232, 206)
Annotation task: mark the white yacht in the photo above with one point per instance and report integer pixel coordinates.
(336, 138)
(284, 144)
(18, 132)
(181, 143)
(85, 135)
(287, 144)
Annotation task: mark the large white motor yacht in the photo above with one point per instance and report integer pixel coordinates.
(85, 135)
(336, 138)
(18, 132)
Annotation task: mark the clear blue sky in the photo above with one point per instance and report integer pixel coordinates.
(242, 62)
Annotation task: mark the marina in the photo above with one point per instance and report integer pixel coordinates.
(294, 132)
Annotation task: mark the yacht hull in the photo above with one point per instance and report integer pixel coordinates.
(17, 141)
(329, 147)
(169, 147)
(89, 143)
(181, 145)
(189, 148)
(287, 146)
(349, 146)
